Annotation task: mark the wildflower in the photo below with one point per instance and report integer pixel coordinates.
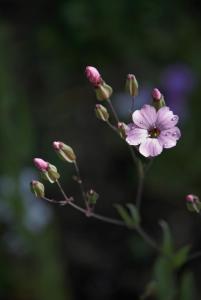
(153, 130)
(93, 76)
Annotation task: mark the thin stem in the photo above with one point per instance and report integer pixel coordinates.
(138, 229)
(136, 161)
(112, 127)
(132, 104)
(80, 182)
(113, 110)
(62, 191)
(140, 184)
(148, 166)
(147, 239)
(134, 157)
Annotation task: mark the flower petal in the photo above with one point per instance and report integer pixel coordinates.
(165, 118)
(169, 137)
(146, 117)
(136, 136)
(150, 147)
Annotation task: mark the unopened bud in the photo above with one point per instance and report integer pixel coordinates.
(158, 99)
(156, 94)
(64, 151)
(132, 85)
(122, 129)
(103, 91)
(40, 164)
(93, 76)
(52, 173)
(37, 188)
(193, 203)
(101, 112)
(92, 197)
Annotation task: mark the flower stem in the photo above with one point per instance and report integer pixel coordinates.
(80, 182)
(140, 184)
(132, 104)
(138, 228)
(136, 161)
(113, 110)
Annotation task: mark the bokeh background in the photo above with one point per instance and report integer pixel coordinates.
(51, 252)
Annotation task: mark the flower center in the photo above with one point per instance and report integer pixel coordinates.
(154, 132)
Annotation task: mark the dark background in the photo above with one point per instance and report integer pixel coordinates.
(51, 252)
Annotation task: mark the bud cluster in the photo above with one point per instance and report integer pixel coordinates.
(48, 171)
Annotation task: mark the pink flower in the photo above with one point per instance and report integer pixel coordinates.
(40, 164)
(93, 76)
(153, 130)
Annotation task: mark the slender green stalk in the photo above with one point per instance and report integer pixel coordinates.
(137, 162)
(140, 184)
(132, 104)
(69, 202)
(113, 110)
(80, 182)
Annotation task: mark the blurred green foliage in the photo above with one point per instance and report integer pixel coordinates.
(44, 48)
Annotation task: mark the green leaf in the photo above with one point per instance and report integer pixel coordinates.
(180, 257)
(134, 213)
(167, 245)
(165, 281)
(187, 288)
(125, 215)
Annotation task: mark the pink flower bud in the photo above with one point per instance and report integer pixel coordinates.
(156, 94)
(40, 164)
(93, 76)
(57, 145)
(190, 198)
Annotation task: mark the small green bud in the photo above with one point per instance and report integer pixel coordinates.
(92, 197)
(37, 188)
(103, 91)
(132, 85)
(122, 129)
(51, 174)
(64, 151)
(101, 112)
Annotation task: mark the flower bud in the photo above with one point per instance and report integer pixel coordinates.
(64, 151)
(156, 95)
(158, 99)
(101, 112)
(193, 203)
(132, 85)
(40, 164)
(103, 91)
(92, 197)
(93, 76)
(37, 188)
(52, 174)
(122, 129)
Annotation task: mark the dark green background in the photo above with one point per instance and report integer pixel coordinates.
(54, 253)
